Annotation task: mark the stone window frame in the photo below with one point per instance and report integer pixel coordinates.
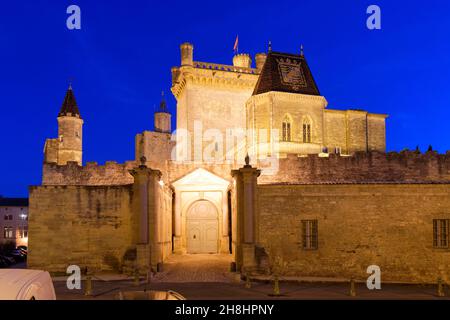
(286, 128)
(441, 233)
(310, 234)
(306, 129)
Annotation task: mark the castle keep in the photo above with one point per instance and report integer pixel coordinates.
(258, 168)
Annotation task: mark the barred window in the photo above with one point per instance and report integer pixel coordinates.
(310, 234)
(440, 233)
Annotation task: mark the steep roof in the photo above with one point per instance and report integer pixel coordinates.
(286, 72)
(162, 105)
(69, 106)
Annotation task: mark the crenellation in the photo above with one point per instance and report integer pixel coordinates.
(363, 167)
(112, 173)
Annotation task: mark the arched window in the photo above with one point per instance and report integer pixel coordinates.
(306, 130)
(286, 129)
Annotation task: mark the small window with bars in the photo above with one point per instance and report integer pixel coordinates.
(440, 233)
(310, 234)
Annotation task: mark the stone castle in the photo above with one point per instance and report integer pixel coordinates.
(258, 168)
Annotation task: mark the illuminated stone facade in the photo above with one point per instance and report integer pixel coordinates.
(317, 189)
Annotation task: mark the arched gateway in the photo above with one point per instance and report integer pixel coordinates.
(201, 215)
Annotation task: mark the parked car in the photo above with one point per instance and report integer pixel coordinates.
(7, 260)
(24, 284)
(4, 263)
(17, 255)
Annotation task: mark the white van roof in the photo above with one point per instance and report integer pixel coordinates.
(13, 281)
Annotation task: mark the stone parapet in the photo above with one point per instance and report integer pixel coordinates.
(363, 167)
(92, 174)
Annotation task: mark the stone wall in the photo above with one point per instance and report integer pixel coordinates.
(83, 225)
(110, 174)
(358, 225)
(51, 148)
(210, 101)
(371, 167)
(156, 147)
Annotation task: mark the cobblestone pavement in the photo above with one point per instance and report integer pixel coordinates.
(195, 268)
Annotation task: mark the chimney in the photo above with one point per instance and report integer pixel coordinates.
(260, 59)
(187, 54)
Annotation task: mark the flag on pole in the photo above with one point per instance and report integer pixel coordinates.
(236, 44)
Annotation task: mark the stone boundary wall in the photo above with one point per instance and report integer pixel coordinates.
(82, 225)
(363, 167)
(92, 174)
(359, 225)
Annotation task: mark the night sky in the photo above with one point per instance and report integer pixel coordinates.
(120, 62)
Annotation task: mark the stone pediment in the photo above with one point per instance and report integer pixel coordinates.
(200, 177)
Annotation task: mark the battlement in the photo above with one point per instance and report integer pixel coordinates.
(363, 167)
(224, 67)
(92, 174)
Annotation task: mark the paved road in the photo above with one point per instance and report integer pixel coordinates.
(208, 277)
(235, 291)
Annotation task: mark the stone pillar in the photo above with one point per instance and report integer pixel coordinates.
(155, 219)
(147, 216)
(177, 242)
(225, 242)
(140, 189)
(246, 192)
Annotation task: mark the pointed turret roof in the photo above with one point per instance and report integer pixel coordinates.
(286, 72)
(69, 106)
(162, 104)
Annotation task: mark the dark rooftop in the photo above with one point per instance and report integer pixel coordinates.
(13, 202)
(286, 73)
(69, 106)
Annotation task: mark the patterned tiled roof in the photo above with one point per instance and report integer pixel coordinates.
(286, 73)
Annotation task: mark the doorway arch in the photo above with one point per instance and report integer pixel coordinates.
(202, 225)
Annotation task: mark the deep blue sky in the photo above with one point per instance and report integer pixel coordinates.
(121, 58)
